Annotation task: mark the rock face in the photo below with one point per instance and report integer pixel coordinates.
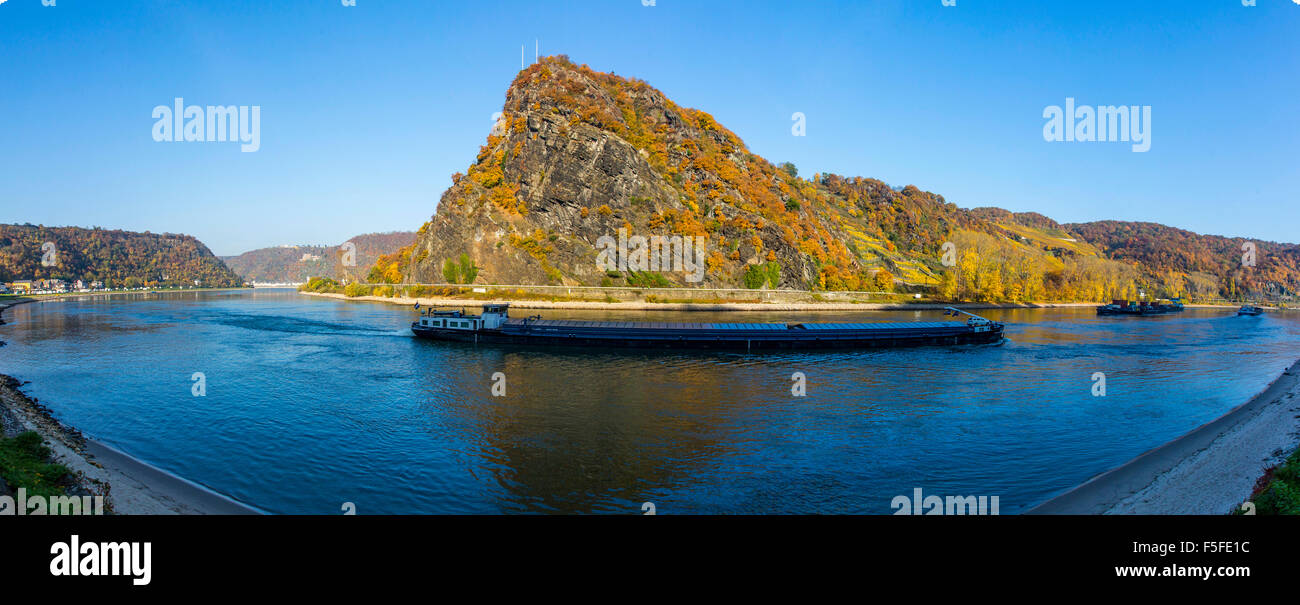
(578, 155)
(579, 159)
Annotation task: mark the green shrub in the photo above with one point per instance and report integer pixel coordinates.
(468, 271)
(1280, 498)
(647, 279)
(24, 462)
(768, 273)
(462, 272)
(319, 284)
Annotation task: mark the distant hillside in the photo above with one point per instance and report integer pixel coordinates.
(1204, 262)
(118, 258)
(295, 264)
(579, 155)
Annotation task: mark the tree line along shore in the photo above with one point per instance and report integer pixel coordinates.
(657, 298)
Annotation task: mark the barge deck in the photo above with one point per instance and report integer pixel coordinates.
(494, 326)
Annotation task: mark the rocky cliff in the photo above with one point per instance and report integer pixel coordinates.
(580, 158)
(578, 155)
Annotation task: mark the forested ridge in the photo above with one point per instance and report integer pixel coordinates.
(117, 258)
(297, 264)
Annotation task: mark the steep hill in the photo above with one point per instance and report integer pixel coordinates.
(579, 155)
(118, 258)
(295, 264)
(1204, 262)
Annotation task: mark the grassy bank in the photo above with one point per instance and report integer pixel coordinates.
(1278, 491)
(25, 462)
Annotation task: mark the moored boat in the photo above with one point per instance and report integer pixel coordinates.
(495, 325)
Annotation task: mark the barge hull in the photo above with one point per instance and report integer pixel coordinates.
(783, 340)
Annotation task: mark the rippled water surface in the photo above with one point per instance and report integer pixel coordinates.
(311, 403)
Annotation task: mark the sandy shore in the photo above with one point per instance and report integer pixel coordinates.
(1209, 471)
(723, 306)
(128, 485)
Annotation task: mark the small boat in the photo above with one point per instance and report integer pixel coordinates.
(495, 325)
(1250, 310)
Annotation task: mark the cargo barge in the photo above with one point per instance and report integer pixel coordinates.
(495, 325)
(1129, 307)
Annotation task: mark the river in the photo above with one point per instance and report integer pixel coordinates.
(310, 403)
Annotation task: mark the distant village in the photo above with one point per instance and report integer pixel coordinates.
(59, 286)
(50, 286)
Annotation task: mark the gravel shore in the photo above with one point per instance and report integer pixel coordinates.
(129, 486)
(1209, 471)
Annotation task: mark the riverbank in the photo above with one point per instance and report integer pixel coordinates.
(1211, 470)
(7, 302)
(13, 301)
(651, 305)
(692, 306)
(128, 486)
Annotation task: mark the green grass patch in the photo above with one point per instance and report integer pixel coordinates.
(768, 273)
(647, 279)
(1278, 492)
(24, 463)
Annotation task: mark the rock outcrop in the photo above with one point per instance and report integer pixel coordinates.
(578, 155)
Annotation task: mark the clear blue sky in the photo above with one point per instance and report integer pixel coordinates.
(366, 111)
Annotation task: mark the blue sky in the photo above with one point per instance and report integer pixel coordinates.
(367, 110)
